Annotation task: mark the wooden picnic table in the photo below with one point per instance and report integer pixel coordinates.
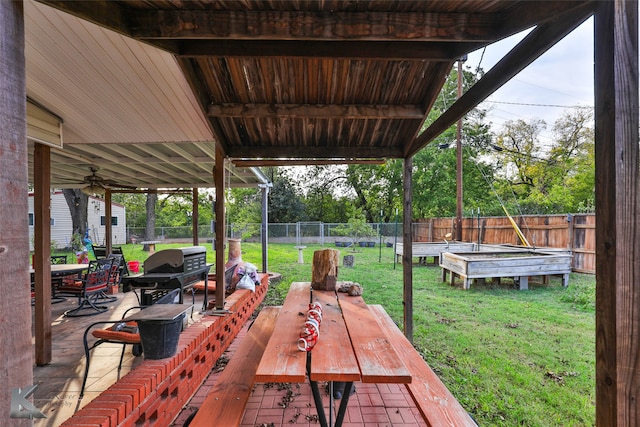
(348, 329)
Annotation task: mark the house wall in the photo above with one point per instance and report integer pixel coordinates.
(61, 228)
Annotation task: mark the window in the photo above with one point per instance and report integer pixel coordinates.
(114, 220)
(31, 221)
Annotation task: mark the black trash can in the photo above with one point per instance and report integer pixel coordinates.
(160, 337)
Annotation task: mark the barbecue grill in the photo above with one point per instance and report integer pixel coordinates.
(170, 269)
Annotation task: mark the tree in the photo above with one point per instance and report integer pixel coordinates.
(150, 227)
(285, 202)
(556, 180)
(78, 202)
(356, 227)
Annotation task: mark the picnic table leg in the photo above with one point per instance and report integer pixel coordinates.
(343, 404)
(322, 419)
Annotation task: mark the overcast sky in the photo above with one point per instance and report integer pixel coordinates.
(562, 76)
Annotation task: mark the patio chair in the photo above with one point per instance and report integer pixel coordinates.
(58, 259)
(90, 290)
(125, 333)
(57, 281)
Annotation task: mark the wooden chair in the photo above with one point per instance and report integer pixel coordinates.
(90, 290)
(125, 333)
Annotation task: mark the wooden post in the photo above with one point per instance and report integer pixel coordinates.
(407, 249)
(16, 358)
(108, 228)
(42, 252)
(218, 179)
(617, 213)
(324, 271)
(194, 216)
(265, 227)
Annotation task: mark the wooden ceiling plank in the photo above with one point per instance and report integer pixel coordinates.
(317, 111)
(537, 42)
(195, 80)
(309, 25)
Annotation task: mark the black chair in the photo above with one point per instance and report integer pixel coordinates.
(90, 291)
(56, 282)
(125, 333)
(99, 252)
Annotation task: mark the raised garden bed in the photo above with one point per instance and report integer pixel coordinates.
(515, 264)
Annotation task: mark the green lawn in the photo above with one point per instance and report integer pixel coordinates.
(512, 358)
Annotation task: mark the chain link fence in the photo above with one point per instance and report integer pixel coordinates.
(299, 232)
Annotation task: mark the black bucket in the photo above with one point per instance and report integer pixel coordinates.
(160, 337)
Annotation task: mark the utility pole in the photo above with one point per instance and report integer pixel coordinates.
(459, 159)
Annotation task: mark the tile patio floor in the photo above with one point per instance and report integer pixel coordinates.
(269, 405)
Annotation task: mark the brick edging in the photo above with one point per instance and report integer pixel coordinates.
(155, 392)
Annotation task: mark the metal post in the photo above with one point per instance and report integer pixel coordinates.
(395, 241)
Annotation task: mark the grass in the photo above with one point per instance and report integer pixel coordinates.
(512, 358)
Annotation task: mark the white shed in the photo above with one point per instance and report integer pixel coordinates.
(61, 228)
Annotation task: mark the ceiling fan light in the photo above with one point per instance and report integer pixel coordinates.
(93, 189)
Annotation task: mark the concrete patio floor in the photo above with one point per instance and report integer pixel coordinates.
(59, 382)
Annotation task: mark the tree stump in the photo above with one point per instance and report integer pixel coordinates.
(324, 271)
(347, 261)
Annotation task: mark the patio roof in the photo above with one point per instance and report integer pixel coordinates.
(146, 92)
(125, 107)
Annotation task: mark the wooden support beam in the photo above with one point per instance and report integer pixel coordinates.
(194, 216)
(618, 213)
(346, 49)
(42, 252)
(16, 357)
(278, 111)
(324, 151)
(108, 227)
(304, 162)
(220, 237)
(537, 42)
(310, 25)
(407, 244)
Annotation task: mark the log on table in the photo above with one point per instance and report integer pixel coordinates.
(324, 271)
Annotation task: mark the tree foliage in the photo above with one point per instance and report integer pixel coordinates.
(559, 178)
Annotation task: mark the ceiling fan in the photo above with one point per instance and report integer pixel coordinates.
(97, 184)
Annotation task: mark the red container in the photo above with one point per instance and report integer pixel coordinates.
(133, 266)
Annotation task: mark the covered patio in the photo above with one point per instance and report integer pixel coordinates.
(60, 381)
(192, 94)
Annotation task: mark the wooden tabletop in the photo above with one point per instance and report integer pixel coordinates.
(62, 269)
(159, 312)
(352, 345)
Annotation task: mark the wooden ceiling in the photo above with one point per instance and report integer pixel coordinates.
(317, 79)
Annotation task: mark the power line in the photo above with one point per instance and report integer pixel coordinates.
(540, 105)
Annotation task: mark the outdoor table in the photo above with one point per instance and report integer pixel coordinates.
(151, 245)
(64, 269)
(159, 326)
(60, 270)
(352, 346)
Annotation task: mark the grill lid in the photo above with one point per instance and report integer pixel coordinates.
(172, 260)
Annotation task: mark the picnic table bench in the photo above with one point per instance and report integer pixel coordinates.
(381, 354)
(225, 403)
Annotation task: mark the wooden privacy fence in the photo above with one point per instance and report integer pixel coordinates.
(576, 232)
